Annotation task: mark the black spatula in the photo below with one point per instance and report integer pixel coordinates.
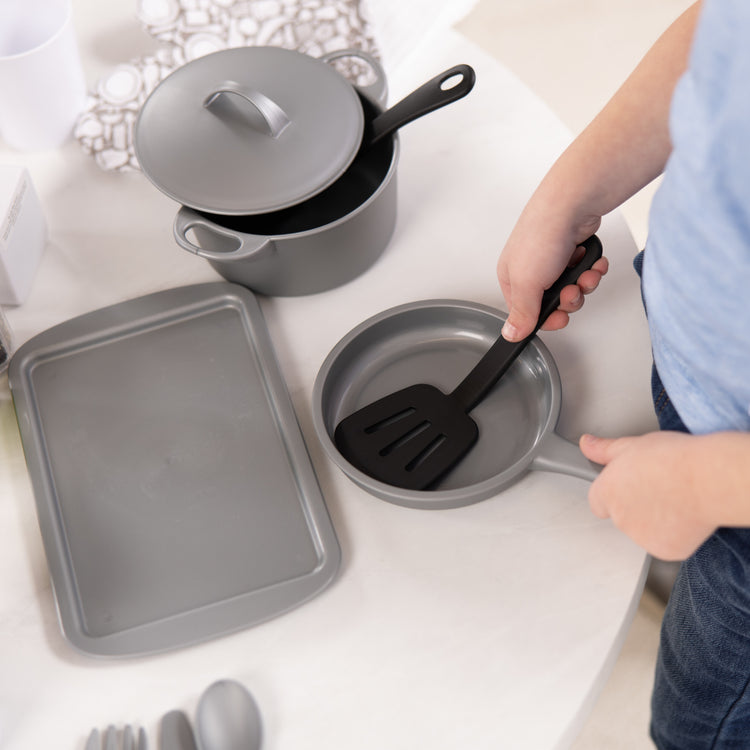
(412, 437)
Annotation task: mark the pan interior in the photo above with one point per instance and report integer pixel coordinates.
(439, 344)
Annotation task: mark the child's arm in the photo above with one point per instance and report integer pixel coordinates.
(668, 491)
(659, 488)
(624, 148)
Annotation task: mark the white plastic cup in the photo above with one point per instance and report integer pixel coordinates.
(42, 86)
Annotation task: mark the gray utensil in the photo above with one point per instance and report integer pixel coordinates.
(176, 733)
(414, 436)
(228, 718)
(112, 739)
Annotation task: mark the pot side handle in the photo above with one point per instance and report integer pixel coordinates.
(376, 91)
(233, 245)
(564, 457)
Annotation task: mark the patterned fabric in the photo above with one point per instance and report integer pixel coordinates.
(187, 29)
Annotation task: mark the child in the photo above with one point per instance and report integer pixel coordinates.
(682, 493)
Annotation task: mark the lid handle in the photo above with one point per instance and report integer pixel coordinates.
(273, 120)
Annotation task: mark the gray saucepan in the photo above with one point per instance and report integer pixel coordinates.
(438, 341)
(335, 235)
(323, 242)
(273, 156)
(251, 137)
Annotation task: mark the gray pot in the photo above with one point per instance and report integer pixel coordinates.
(319, 244)
(266, 162)
(286, 171)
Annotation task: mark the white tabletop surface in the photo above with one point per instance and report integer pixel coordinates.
(491, 626)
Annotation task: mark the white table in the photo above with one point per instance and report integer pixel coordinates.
(487, 627)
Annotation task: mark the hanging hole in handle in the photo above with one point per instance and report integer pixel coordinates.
(458, 81)
(451, 81)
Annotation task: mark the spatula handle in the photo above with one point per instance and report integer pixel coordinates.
(427, 98)
(501, 355)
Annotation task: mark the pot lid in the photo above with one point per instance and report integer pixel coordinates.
(248, 130)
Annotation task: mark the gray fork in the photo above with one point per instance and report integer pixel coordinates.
(129, 739)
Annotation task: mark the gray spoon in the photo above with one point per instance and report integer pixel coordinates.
(228, 718)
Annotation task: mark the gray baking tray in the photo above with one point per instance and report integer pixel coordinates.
(174, 491)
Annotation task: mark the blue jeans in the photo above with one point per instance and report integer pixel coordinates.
(701, 696)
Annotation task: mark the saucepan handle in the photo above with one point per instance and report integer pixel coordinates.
(376, 91)
(228, 245)
(557, 454)
(427, 98)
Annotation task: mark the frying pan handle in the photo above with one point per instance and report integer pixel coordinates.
(428, 97)
(562, 456)
(377, 91)
(229, 245)
(501, 355)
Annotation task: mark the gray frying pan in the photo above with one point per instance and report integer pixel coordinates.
(437, 342)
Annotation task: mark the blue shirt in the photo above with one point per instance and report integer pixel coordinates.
(696, 273)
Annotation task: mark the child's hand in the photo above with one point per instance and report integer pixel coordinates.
(623, 149)
(653, 489)
(533, 258)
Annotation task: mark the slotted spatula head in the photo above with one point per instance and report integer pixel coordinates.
(413, 437)
(409, 438)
